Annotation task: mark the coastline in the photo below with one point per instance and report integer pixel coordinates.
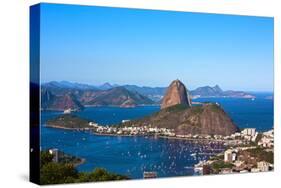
(120, 106)
(91, 106)
(151, 136)
(67, 128)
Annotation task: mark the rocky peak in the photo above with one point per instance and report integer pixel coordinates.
(176, 94)
(218, 89)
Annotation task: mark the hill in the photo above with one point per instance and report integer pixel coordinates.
(216, 91)
(68, 121)
(177, 113)
(208, 119)
(207, 91)
(60, 98)
(118, 96)
(49, 101)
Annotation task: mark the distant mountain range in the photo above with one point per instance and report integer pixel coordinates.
(64, 95)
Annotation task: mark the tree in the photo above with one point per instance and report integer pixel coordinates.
(45, 158)
(54, 173)
(100, 174)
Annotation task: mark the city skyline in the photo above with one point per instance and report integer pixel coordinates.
(94, 45)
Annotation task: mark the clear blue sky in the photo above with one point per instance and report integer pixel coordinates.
(144, 47)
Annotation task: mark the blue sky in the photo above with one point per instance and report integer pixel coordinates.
(144, 47)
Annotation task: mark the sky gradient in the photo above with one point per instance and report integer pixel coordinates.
(94, 45)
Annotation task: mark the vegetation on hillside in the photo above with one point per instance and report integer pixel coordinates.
(176, 108)
(218, 165)
(68, 121)
(261, 155)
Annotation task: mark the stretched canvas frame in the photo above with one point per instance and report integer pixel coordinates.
(157, 125)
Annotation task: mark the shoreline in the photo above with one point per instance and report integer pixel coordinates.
(151, 136)
(203, 140)
(167, 137)
(118, 106)
(68, 128)
(91, 106)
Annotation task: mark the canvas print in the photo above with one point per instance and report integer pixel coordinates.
(121, 94)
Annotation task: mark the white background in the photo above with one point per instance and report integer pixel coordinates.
(14, 83)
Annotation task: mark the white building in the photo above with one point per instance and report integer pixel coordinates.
(266, 142)
(230, 155)
(234, 156)
(249, 132)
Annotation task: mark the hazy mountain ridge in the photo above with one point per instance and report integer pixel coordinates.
(77, 95)
(154, 93)
(49, 101)
(216, 91)
(117, 96)
(61, 97)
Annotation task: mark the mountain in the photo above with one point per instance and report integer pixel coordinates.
(117, 96)
(176, 94)
(216, 91)
(106, 86)
(207, 119)
(238, 94)
(176, 113)
(61, 97)
(69, 85)
(208, 91)
(49, 101)
(154, 93)
(76, 95)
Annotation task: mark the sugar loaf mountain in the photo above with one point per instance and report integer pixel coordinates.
(177, 113)
(64, 95)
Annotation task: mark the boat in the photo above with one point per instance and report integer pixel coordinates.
(67, 111)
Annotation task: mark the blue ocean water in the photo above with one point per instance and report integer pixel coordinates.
(133, 155)
(247, 113)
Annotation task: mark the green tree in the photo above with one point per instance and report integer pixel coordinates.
(219, 165)
(100, 174)
(54, 173)
(45, 158)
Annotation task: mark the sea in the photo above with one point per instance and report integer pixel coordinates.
(133, 155)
